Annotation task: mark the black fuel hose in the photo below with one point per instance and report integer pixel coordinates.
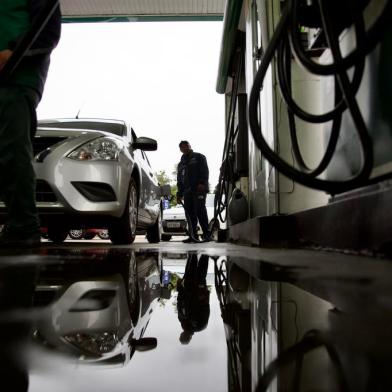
(288, 26)
(227, 172)
(284, 76)
(312, 340)
(372, 38)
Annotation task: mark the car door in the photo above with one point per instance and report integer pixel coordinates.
(152, 197)
(149, 195)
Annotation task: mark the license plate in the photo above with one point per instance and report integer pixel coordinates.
(174, 225)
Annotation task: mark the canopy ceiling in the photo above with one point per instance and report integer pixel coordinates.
(142, 9)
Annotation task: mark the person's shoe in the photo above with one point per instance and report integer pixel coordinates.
(191, 240)
(207, 238)
(12, 239)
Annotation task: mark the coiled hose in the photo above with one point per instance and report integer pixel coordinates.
(287, 36)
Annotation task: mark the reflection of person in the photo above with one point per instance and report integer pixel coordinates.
(19, 97)
(192, 184)
(193, 301)
(17, 285)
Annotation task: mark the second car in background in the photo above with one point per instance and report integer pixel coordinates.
(174, 221)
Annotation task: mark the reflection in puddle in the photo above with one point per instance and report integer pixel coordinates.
(83, 319)
(99, 316)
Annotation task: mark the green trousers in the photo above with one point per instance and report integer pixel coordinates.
(18, 123)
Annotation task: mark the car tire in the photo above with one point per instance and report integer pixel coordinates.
(57, 234)
(123, 230)
(154, 232)
(88, 236)
(132, 288)
(166, 237)
(76, 234)
(103, 234)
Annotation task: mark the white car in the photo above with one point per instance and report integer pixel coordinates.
(94, 173)
(174, 220)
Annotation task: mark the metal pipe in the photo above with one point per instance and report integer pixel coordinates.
(228, 44)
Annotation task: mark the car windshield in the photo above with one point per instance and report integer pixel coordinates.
(118, 128)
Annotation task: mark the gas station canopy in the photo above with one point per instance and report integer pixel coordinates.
(141, 10)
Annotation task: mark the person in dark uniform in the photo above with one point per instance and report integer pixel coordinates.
(193, 300)
(192, 185)
(19, 96)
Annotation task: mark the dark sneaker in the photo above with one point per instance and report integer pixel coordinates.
(207, 238)
(12, 239)
(191, 240)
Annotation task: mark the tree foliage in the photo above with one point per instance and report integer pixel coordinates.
(165, 179)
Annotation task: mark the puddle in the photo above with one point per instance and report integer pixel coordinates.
(115, 319)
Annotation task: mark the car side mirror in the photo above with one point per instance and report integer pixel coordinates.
(144, 344)
(145, 144)
(165, 191)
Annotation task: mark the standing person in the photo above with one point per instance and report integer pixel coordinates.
(19, 97)
(192, 184)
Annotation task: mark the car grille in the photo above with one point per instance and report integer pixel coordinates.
(44, 193)
(42, 143)
(44, 297)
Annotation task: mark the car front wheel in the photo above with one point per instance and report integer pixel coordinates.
(123, 230)
(57, 234)
(154, 232)
(103, 234)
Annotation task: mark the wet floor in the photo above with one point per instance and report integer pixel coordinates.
(207, 317)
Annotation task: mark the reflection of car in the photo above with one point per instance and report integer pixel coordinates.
(101, 316)
(88, 234)
(174, 220)
(95, 173)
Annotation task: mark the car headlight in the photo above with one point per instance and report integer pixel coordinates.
(95, 343)
(101, 149)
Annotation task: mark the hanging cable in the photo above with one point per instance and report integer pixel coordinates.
(312, 339)
(226, 176)
(345, 90)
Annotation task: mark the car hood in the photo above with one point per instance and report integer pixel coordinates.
(70, 133)
(174, 213)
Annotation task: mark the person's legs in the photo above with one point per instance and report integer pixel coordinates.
(190, 209)
(190, 275)
(202, 268)
(17, 178)
(202, 213)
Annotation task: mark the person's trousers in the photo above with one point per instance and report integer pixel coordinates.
(195, 207)
(18, 123)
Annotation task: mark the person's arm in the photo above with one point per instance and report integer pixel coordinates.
(49, 37)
